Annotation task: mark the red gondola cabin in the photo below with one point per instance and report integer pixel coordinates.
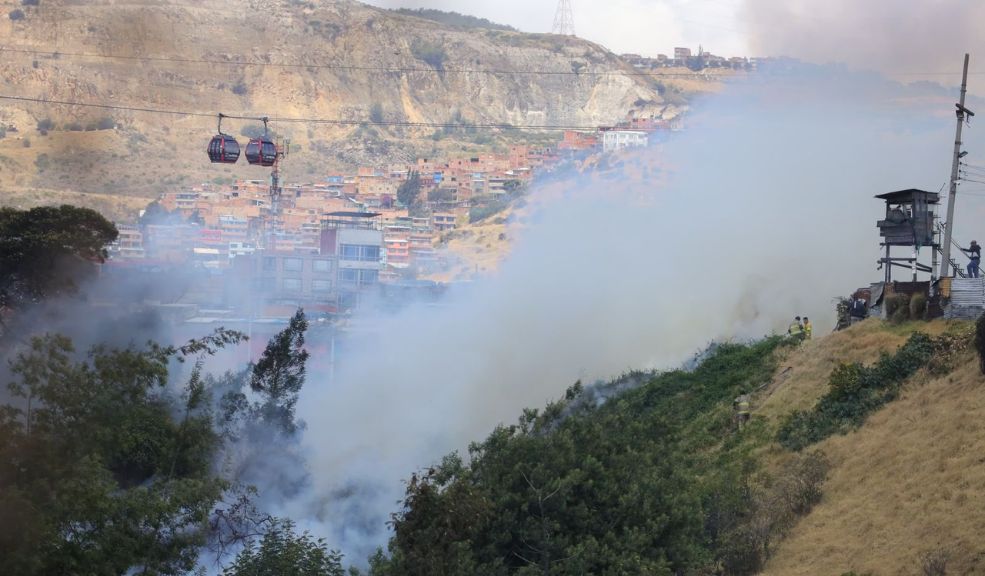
(261, 151)
(223, 149)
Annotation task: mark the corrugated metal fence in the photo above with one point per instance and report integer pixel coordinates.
(967, 298)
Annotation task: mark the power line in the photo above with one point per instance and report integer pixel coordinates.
(653, 73)
(286, 119)
(345, 67)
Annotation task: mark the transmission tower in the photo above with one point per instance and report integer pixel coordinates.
(564, 22)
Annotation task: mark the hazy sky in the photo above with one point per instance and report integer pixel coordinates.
(905, 38)
(641, 26)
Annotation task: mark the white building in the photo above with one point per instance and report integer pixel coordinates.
(613, 140)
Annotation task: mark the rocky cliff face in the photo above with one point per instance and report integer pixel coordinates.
(280, 58)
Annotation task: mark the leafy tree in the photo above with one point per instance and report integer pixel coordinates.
(155, 213)
(257, 410)
(284, 552)
(441, 195)
(196, 218)
(278, 376)
(45, 251)
(409, 189)
(102, 469)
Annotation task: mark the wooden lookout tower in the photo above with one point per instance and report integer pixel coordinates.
(909, 222)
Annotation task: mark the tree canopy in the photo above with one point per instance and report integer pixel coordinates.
(284, 552)
(102, 470)
(409, 189)
(45, 251)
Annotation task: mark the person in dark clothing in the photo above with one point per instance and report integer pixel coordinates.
(858, 311)
(974, 253)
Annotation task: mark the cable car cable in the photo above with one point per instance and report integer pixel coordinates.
(287, 119)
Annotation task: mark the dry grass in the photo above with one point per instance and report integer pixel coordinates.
(476, 249)
(910, 480)
(803, 373)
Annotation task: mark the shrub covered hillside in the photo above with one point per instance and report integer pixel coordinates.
(645, 475)
(652, 473)
(906, 489)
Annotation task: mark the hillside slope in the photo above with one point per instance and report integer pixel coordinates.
(908, 482)
(281, 58)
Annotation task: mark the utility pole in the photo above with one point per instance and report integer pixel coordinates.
(949, 223)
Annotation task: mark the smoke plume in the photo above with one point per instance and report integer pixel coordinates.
(913, 40)
(761, 210)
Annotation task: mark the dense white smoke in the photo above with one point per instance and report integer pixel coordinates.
(903, 39)
(761, 210)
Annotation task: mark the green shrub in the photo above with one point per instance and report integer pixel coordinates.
(980, 341)
(483, 211)
(898, 308)
(16, 14)
(453, 19)
(42, 162)
(855, 391)
(771, 509)
(432, 53)
(45, 124)
(255, 131)
(376, 113)
(918, 307)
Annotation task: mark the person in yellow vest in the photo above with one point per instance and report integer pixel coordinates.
(796, 329)
(808, 328)
(741, 404)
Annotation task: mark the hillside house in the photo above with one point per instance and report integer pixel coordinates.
(613, 140)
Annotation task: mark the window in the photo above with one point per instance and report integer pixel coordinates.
(369, 277)
(349, 252)
(292, 284)
(350, 277)
(293, 264)
(321, 265)
(360, 253)
(321, 285)
(269, 263)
